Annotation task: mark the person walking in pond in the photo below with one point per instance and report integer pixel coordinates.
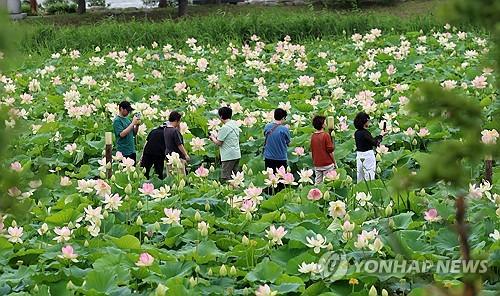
(228, 139)
(277, 137)
(125, 130)
(365, 156)
(322, 148)
(154, 152)
(174, 143)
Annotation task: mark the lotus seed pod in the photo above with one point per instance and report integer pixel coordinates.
(373, 291)
(223, 270)
(197, 216)
(384, 292)
(161, 290)
(139, 221)
(388, 210)
(128, 189)
(232, 271)
(245, 240)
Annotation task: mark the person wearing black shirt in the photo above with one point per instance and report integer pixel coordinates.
(365, 157)
(174, 143)
(154, 152)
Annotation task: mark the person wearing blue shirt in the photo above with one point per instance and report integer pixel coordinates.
(277, 138)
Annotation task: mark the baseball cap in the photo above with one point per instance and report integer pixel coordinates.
(126, 105)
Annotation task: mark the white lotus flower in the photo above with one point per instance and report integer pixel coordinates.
(317, 243)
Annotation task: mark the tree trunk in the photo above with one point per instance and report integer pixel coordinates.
(182, 8)
(33, 6)
(162, 3)
(81, 6)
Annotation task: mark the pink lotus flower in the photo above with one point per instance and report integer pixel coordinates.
(479, 82)
(147, 189)
(432, 216)
(423, 132)
(16, 166)
(265, 290)
(253, 192)
(332, 175)
(247, 206)
(314, 194)
(145, 260)
(281, 172)
(68, 253)
(299, 151)
(488, 137)
(276, 234)
(201, 172)
(409, 132)
(288, 179)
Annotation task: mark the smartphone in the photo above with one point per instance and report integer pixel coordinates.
(385, 125)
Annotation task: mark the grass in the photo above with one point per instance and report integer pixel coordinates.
(218, 24)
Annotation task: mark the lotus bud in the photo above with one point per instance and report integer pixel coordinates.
(388, 210)
(135, 175)
(156, 226)
(14, 223)
(193, 282)
(232, 271)
(113, 178)
(197, 216)
(96, 125)
(250, 172)
(378, 158)
(97, 103)
(253, 243)
(384, 292)
(391, 223)
(139, 221)
(348, 180)
(414, 142)
(329, 247)
(498, 212)
(86, 243)
(326, 195)
(244, 168)
(197, 269)
(139, 205)
(207, 206)
(302, 215)
(422, 192)
(283, 217)
(245, 240)
(288, 169)
(146, 239)
(223, 270)
(102, 175)
(209, 272)
(161, 290)
(211, 169)
(248, 216)
(71, 225)
(182, 183)
(215, 184)
(298, 200)
(373, 291)
(105, 214)
(69, 286)
(128, 189)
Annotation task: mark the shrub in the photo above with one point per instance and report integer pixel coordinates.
(59, 6)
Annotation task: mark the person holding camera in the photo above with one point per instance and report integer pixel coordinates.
(365, 157)
(125, 130)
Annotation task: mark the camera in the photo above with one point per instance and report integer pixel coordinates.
(138, 115)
